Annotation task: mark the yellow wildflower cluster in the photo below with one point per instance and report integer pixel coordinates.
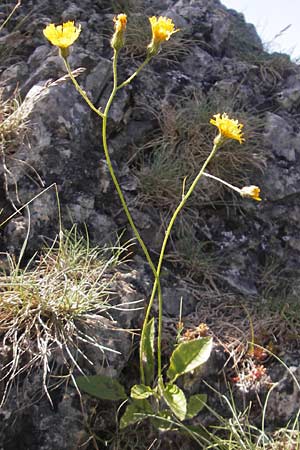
(66, 34)
(228, 128)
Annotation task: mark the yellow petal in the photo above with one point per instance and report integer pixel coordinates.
(228, 128)
(62, 36)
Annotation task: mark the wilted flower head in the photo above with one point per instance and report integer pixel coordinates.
(228, 128)
(117, 40)
(62, 35)
(162, 30)
(251, 192)
(120, 22)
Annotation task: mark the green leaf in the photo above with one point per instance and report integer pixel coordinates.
(101, 386)
(140, 391)
(147, 351)
(135, 412)
(195, 404)
(188, 356)
(175, 399)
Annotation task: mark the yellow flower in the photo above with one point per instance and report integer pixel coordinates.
(162, 30)
(251, 192)
(117, 40)
(228, 128)
(62, 35)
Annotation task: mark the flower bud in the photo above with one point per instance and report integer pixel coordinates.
(118, 39)
(251, 192)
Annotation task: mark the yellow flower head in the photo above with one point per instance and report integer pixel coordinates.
(62, 35)
(120, 22)
(228, 128)
(251, 192)
(117, 40)
(162, 30)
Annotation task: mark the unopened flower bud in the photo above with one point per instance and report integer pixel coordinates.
(251, 192)
(118, 39)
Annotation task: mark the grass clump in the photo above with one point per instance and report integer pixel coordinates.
(138, 36)
(128, 6)
(272, 68)
(53, 304)
(13, 121)
(172, 158)
(238, 433)
(187, 254)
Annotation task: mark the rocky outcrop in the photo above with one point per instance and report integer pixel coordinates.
(251, 250)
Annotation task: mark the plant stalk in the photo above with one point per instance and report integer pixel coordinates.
(80, 90)
(126, 82)
(104, 117)
(126, 210)
(185, 197)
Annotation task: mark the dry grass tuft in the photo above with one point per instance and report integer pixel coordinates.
(138, 36)
(195, 259)
(183, 142)
(127, 6)
(13, 121)
(50, 306)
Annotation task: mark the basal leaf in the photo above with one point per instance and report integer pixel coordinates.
(175, 399)
(140, 391)
(101, 386)
(188, 356)
(147, 351)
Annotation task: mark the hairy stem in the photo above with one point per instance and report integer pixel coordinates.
(80, 90)
(184, 199)
(126, 210)
(104, 117)
(126, 82)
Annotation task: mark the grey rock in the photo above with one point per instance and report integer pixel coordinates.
(42, 421)
(283, 402)
(175, 298)
(98, 78)
(279, 136)
(289, 98)
(239, 282)
(222, 61)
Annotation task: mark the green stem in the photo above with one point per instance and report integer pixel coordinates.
(80, 90)
(126, 210)
(134, 74)
(111, 171)
(104, 116)
(185, 197)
